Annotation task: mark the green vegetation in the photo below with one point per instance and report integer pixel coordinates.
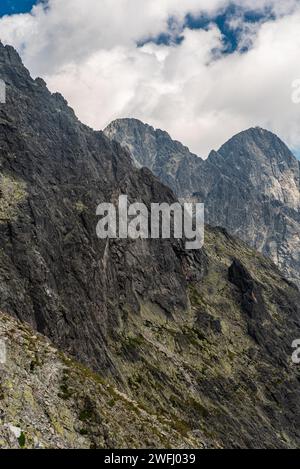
(2, 395)
(12, 194)
(66, 393)
(22, 440)
(80, 207)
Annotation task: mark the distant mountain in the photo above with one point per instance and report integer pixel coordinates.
(197, 342)
(169, 160)
(250, 186)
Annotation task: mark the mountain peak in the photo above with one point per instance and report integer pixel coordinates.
(156, 150)
(253, 133)
(250, 186)
(257, 143)
(128, 121)
(12, 69)
(8, 54)
(130, 124)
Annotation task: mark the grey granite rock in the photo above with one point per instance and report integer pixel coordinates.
(174, 336)
(250, 186)
(54, 271)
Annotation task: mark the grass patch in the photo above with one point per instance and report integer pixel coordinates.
(66, 393)
(12, 194)
(22, 440)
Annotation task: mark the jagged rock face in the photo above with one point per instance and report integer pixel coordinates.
(256, 196)
(179, 333)
(219, 377)
(167, 159)
(250, 186)
(54, 271)
(252, 301)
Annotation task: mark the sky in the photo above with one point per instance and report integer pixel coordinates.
(9, 7)
(201, 69)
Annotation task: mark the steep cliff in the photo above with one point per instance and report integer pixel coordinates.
(54, 271)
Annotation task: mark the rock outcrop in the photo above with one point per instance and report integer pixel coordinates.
(250, 186)
(49, 401)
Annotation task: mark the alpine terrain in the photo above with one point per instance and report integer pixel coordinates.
(250, 185)
(137, 343)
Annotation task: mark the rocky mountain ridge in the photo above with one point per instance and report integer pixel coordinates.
(200, 339)
(250, 186)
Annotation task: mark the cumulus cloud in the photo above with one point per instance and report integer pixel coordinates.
(88, 51)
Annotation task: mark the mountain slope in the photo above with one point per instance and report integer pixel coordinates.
(223, 369)
(54, 271)
(47, 400)
(250, 186)
(201, 339)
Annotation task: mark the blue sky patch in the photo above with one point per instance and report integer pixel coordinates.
(296, 152)
(11, 7)
(231, 34)
(172, 36)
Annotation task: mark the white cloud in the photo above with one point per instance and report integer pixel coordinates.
(87, 50)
